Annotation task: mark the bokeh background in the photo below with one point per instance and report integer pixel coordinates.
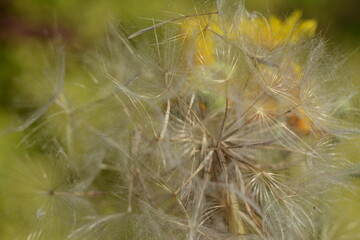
(29, 27)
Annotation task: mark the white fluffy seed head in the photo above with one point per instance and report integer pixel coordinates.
(217, 125)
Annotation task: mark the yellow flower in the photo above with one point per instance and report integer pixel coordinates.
(269, 33)
(273, 32)
(195, 32)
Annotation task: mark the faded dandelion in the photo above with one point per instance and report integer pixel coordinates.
(220, 128)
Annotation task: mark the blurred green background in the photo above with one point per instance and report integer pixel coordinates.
(28, 27)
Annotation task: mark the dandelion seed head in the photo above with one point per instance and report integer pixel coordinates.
(216, 127)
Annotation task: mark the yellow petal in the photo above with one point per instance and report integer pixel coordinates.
(292, 20)
(275, 24)
(308, 28)
(205, 48)
(195, 32)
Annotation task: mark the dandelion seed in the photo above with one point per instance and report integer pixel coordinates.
(218, 127)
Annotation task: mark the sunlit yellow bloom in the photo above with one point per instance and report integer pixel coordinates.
(269, 33)
(273, 32)
(196, 32)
